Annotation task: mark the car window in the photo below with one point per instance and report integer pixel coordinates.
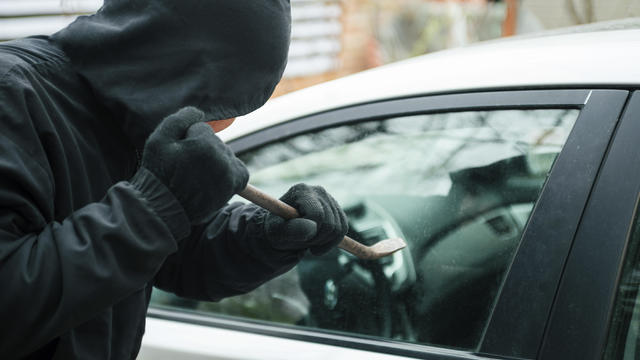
(624, 333)
(458, 187)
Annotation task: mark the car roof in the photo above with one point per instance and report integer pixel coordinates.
(574, 59)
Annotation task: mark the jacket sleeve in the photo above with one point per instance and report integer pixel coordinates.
(228, 256)
(57, 275)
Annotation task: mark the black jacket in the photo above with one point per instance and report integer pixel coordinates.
(80, 247)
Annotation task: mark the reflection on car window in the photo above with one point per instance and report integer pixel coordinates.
(458, 187)
(624, 333)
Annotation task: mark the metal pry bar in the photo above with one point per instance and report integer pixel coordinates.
(280, 208)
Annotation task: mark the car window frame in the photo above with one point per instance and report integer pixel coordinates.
(512, 330)
(577, 156)
(594, 267)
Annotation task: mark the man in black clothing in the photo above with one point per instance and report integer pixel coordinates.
(107, 190)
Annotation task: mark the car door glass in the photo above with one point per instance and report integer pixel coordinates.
(624, 332)
(458, 187)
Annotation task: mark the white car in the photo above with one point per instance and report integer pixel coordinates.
(512, 170)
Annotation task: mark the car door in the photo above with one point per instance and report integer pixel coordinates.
(487, 188)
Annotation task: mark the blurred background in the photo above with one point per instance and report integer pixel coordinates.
(334, 38)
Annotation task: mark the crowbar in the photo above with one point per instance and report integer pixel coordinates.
(286, 211)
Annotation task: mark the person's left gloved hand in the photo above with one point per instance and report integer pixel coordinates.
(321, 226)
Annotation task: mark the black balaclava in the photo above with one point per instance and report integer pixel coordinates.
(145, 59)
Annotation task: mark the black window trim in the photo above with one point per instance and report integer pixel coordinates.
(516, 330)
(591, 156)
(491, 100)
(583, 309)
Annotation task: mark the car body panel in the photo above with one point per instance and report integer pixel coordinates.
(198, 342)
(216, 337)
(607, 58)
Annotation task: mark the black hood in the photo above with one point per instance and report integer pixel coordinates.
(145, 59)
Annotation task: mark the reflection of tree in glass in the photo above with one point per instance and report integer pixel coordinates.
(407, 155)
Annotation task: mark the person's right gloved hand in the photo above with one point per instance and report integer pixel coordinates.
(200, 170)
(321, 226)
(279, 244)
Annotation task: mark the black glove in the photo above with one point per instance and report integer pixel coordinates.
(322, 224)
(198, 168)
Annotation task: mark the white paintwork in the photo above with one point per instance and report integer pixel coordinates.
(169, 340)
(582, 59)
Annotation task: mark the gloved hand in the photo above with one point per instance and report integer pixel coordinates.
(322, 224)
(198, 168)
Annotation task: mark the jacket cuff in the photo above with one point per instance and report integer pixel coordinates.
(163, 202)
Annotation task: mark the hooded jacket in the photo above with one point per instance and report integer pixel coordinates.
(80, 246)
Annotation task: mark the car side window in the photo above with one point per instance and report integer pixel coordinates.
(624, 332)
(458, 187)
